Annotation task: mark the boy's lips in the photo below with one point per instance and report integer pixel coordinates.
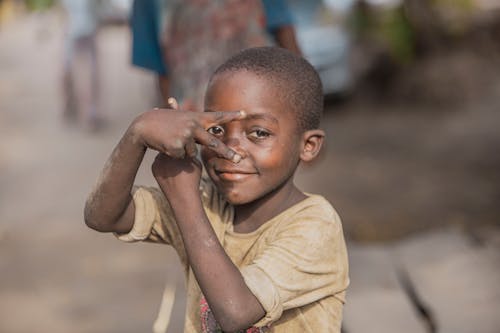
(233, 174)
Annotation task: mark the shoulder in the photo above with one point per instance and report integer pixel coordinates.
(314, 211)
(317, 206)
(313, 222)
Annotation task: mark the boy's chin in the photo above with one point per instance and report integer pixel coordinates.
(236, 199)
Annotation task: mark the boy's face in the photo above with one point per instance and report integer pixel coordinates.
(267, 139)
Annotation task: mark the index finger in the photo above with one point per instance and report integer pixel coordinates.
(221, 117)
(206, 139)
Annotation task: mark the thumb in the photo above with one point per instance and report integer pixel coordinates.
(172, 103)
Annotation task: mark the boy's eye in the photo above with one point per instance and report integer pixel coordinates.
(216, 130)
(259, 134)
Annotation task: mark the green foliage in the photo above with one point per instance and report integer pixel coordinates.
(389, 27)
(455, 15)
(38, 5)
(398, 35)
(466, 5)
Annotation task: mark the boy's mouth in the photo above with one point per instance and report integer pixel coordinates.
(233, 174)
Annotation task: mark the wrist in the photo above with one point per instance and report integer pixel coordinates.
(184, 196)
(185, 203)
(135, 133)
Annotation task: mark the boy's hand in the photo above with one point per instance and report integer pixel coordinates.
(175, 133)
(177, 176)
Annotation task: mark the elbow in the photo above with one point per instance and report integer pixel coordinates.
(93, 225)
(235, 322)
(92, 221)
(239, 314)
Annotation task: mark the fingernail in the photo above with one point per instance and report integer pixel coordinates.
(236, 158)
(243, 114)
(170, 100)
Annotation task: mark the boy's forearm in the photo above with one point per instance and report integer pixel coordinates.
(163, 85)
(286, 38)
(108, 207)
(233, 304)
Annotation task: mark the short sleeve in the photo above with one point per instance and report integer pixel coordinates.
(277, 14)
(154, 220)
(146, 47)
(305, 262)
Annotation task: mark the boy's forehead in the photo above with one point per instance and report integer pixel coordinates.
(253, 114)
(242, 78)
(243, 89)
(257, 94)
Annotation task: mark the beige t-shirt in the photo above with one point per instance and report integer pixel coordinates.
(295, 264)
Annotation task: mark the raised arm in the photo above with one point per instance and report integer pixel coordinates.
(233, 304)
(109, 207)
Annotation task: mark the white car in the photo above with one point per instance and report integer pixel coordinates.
(324, 41)
(115, 11)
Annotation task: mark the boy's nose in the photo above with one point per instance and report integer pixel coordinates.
(234, 144)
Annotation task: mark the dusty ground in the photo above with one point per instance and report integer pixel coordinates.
(391, 171)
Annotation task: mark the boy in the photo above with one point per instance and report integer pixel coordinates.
(260, 255)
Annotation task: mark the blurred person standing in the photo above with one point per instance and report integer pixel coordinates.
(80, 66)
(184, 41)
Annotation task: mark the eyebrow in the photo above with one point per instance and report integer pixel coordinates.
(253, 116)
(262, 116)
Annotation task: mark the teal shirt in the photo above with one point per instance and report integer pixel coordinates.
(145, 27)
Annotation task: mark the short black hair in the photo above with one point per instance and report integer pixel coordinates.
(297, 81)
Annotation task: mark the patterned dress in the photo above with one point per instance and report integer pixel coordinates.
(201, 34)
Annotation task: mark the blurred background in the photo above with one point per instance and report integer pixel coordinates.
(412, 163)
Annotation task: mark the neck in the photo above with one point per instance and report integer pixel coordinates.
(249, 217)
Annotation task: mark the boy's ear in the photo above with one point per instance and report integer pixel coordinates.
(312, 141)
